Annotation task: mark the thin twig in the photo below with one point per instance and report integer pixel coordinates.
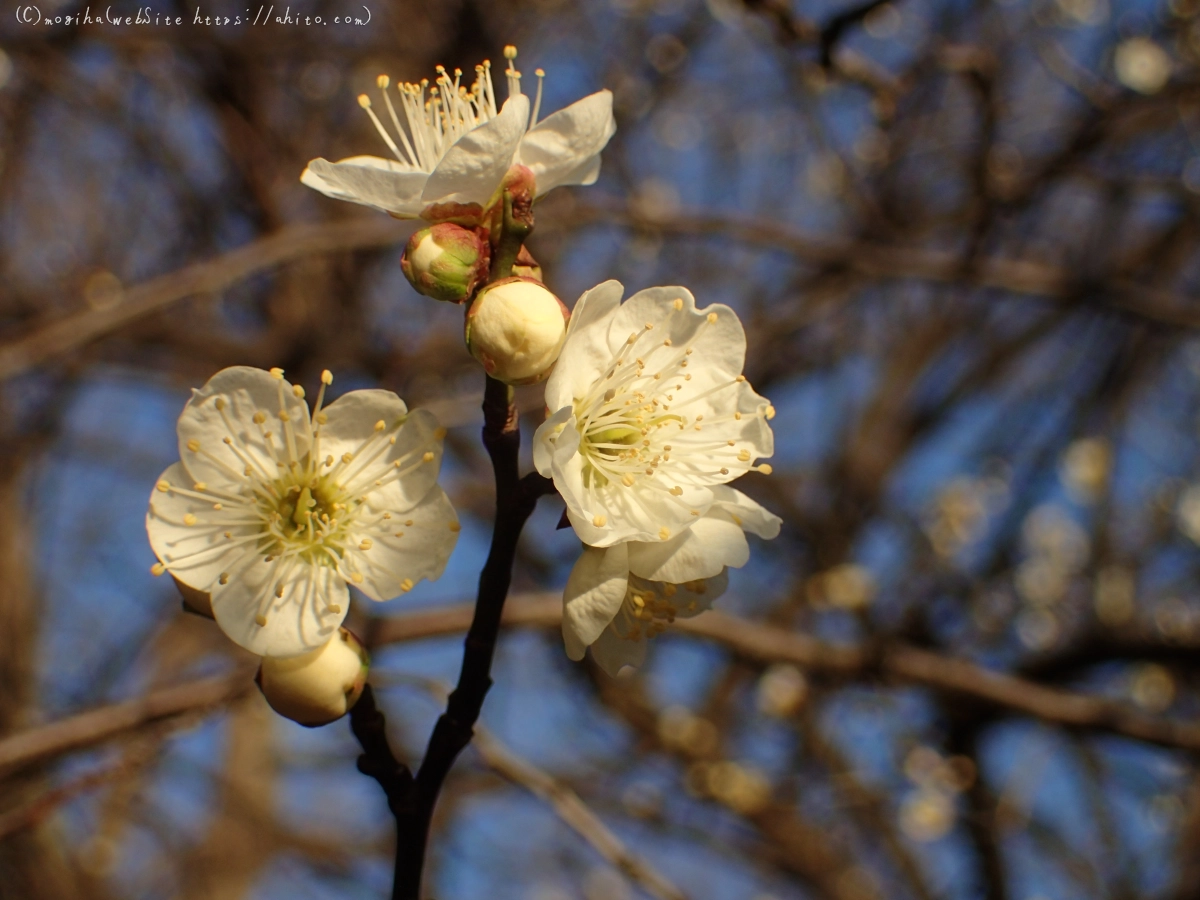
(575, 813)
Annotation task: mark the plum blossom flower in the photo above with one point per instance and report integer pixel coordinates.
(453, 148)
(273, 510)
(649, 413)
(619, 597)
(650, 418)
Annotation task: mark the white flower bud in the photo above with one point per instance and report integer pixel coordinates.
(515, 328)
(317, 687)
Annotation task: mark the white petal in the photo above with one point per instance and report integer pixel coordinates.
(196, 554)
(703, 551)
(719, 346)
(350, 428)
(593, 596)
(473, 168)
(379, 183)
(246, 391)
(543, 447)
(637, 513)
(748, 514)
(564, 147)
(586, 352)
(399, 554)
(313, 604)
(613, 652)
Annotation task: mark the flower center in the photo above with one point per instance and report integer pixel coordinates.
(426, 127)
(650, 606)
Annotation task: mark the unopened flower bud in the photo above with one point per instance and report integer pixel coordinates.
(446, 262)
(317, 687)
(515, 328)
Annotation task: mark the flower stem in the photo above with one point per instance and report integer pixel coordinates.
(412, 798)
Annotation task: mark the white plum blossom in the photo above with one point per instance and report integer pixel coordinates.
(648, 413)
(649, 419)
(618, 597)
(453, 148)
(273, 511)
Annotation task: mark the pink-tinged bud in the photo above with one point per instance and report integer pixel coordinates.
(515, 328)
(194, 600)
(317, 687)
(446, 262)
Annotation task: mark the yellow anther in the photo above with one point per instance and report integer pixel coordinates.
(329, 460)
(406, 585)
(408, 523)
(365, 544)
(364, 101)
(627, 480)
(737, 520)
(765, 469)
(157, 569)
(219, 403)
(770, 412)
(649, 326)
(346, 457)
(740, 379)
(712, 317)
(193, 445)
(218, 506)
(200, 486)
(678, 303)
(380, 425)
(260, 417)
(260, 620)
(283, 416)
(724, 471)
(664, 533)
(677, 491)
(357, 578)
(189, 519)
(382, 81)
(164, 485)
(638, 601)
(744, 456)
(455, 527)
(279, 590)
(599, 521)
(510, 52)
(321, 419)
(439, 433)
(223, 578)
(428, 456)
(277, 373)
(228, 535)
(297, 392)
(326, 377)
(399, 534)
(737, 416)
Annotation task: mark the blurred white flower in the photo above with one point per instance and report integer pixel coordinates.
(453, 148)
(649, 415)
(272, 511)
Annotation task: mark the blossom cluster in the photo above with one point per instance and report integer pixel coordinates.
(276, 510)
